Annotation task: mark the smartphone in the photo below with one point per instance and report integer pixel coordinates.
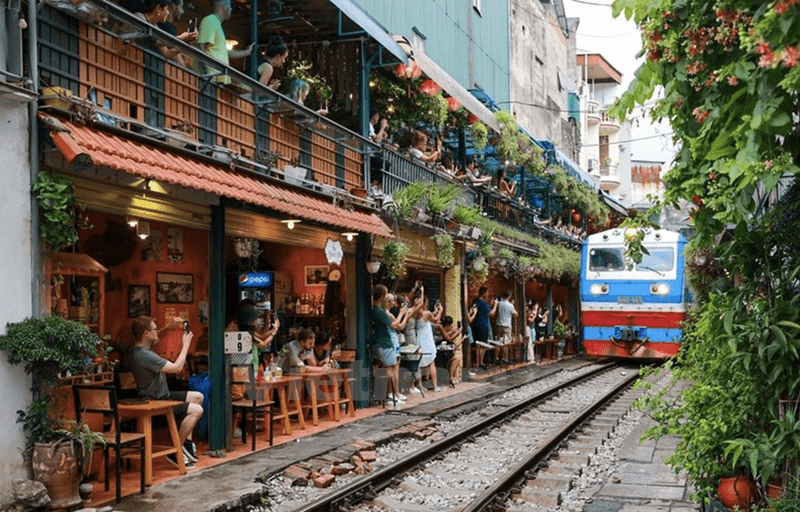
(186, 327)
(192, 24)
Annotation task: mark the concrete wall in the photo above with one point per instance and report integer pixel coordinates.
(540, 52)
(471, 47)
(15, 282)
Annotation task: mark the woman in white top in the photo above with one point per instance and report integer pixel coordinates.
(419, 145)
(424, 320)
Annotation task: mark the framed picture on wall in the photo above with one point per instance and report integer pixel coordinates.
(317, 275)
(138, 300)
(174, 288)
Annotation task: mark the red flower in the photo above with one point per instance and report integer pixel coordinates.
(453, 104)
(429, 87)
(766, 60)
(790, 56)
(412, 70)
(733, 80)
(781, 7)
(700, 114)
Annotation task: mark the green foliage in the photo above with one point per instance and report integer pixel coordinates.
(55, 195)
(516, 146)
(401, 100)
(470, 216)
(395, 253)
(441, 197)
(479, 134)
(505, 254)
(555, 261)
(559, 330)
(405, 199)
(444, 249)
(319, 90)
(48, 347)
(486, 244)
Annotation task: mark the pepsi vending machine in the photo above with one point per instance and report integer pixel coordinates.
(257, 286)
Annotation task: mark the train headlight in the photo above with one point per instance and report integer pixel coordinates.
(659, 289)
(599, 289)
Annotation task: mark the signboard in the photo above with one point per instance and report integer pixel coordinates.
(255, 280)
(239, 342)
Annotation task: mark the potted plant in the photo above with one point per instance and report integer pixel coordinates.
(405, 199)
(55, 195)
(504, 256)
(444, 249)
(394, 257)
(440, 197)
(50, 348)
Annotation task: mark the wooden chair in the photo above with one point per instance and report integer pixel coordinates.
(255, 403)
(103, 400)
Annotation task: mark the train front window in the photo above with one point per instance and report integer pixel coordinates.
(659, 260)
(606, 260)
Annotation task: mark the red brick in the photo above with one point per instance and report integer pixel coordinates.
(368, 456)
(324, 481)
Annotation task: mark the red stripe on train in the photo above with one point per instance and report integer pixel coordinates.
(647, 351)
(645, 319)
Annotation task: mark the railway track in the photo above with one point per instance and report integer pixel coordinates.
(517, 455)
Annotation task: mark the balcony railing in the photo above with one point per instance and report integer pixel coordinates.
(608, 125)
(109, 59)
(592, 112)
(116, 66)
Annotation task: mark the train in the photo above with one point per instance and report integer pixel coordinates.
(633, 311)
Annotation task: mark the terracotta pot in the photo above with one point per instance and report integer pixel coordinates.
(55, 465)
(359, 192)
(736, 491)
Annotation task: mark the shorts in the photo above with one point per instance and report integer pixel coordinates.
(502, 330)
(387, 356)
(179, 410)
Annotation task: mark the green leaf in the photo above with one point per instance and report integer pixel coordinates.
(779, 335)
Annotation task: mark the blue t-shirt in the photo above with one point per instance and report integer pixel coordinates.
(482, 316)
(380, 328)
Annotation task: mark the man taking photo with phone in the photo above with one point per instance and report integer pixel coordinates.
(150, 369)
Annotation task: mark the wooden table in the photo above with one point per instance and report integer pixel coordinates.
(327, 384)
(289, 401)
(143, 413)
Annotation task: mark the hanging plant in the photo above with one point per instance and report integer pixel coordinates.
(319, 90)
(479, 134)
(444, 249)
(517, 147)
(479, 270)
(485, 245)
(58, 206)
(394, 257)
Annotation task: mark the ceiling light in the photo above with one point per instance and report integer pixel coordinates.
(131, 221)
(230, 44)
(290, 223)
(143, 229)
(350, 236)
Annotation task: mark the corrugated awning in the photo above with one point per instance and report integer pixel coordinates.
(96, 147)
(448, 83)
(371, 27)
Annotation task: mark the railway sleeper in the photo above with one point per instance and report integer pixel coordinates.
(605, 421)
(552, 482)
(572, 458)
(415, 487)
(389, 503)
(594, 439)
(597, 431)
(587, 448)
(562, 468)
(541, 497)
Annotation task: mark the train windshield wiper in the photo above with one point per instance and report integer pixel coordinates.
(648, 268)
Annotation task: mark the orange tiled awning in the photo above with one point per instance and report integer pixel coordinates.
(109, 150)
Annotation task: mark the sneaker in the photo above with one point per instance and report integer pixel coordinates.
(174, 461)
(415, 391)
(472, 374)
(395, 398)
(190, 450)
(402, 397)
(440, 388)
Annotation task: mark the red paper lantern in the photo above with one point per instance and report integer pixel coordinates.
(429, 87)
(453, 104)
(411, 71)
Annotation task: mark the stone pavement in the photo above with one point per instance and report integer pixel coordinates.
(642, 482)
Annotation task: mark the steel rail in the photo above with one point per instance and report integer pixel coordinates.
(366, 487)
(499, 489)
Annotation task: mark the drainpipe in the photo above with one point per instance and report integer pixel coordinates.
(37, 304)
(217, 423)
(254, 37)
(362, 312)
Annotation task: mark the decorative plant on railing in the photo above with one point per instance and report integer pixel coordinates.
(504, 256)
(395, 253)
(55, 195)
(486, 244)
(517, 147)
(441, 197)
(479, 134)
(478, 269)
(555, 261)
(444, 249)
(468, 215)
(409, 97)
(320, 92)
(407, 198)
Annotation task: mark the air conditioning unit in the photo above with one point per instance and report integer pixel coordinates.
(591, 164)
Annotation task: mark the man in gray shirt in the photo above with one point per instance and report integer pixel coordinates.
(150, 369)
(506, 312)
